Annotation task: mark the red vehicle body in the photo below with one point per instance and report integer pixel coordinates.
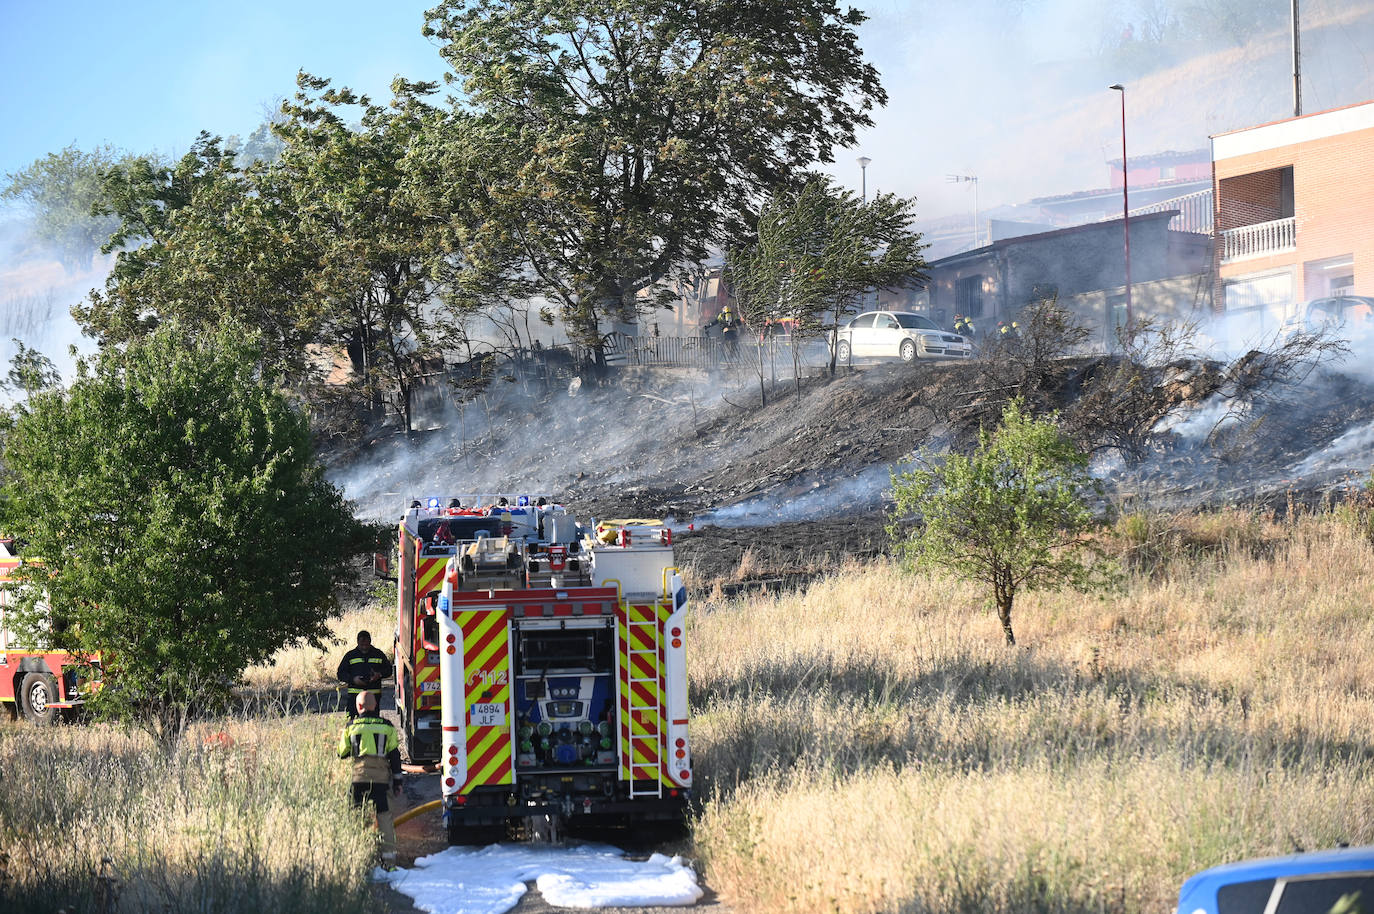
(35, 682)
(426, 541)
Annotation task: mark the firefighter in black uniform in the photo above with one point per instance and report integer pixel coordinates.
(370, 741)
(362, 670)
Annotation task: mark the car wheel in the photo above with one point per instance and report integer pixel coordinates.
(908, 350)
(37, 692)
(842, 352)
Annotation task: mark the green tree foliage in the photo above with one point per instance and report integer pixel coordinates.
(341, 244)
(1011, 516)
(61, 191)
(384, 249)
(199, 240)
(616, 143)
(818, 249)
(182, 525)
(30, 371)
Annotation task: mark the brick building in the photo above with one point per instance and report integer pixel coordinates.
(1294, 212)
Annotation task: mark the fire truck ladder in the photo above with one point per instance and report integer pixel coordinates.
(645, 711)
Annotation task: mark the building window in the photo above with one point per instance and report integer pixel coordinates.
(1332, 276)
(1166, 173)
(968, 296)
(1263, 298)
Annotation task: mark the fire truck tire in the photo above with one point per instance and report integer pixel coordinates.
(37, 692)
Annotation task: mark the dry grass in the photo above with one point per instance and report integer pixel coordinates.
(303, 668)
(871, 745)
(250, 816)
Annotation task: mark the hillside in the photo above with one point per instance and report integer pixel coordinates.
(801, 482)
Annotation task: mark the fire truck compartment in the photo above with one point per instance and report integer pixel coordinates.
(565, 701)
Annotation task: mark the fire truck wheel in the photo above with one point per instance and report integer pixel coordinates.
(37, 692)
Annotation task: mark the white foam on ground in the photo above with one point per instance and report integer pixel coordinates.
(490, 880)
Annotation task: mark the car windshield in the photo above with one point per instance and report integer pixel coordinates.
(916, 322)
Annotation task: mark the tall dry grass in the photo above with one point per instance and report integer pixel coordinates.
(305, 668)
(251, 815)
(871, 745)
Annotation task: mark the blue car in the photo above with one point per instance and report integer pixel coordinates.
(1337, 881)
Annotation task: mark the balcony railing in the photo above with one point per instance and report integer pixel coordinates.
(1258, 240)
(1194, 212)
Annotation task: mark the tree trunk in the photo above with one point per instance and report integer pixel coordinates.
(1004, 599)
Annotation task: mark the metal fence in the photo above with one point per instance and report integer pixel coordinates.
(711, 352)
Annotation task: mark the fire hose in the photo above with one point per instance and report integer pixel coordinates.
(412, 813)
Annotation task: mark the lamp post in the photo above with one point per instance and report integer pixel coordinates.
(863, 168)
(1125, 202)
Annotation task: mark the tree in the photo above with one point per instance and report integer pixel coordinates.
(818, 249)
(199, 240)
(182, 525)
(612, 145)
(61, 189)
(1232, 21)
(30, 371)
(383, 245)
(1011, 516)
(342, 244)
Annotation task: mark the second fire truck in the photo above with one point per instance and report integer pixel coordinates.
(36, 682)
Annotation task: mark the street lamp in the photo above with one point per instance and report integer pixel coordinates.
(863, 167)
(1125, 202)
(955, 179)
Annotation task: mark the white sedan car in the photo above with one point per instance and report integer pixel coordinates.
(907, 336)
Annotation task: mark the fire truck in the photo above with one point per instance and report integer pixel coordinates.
(559, 658)
(37, 683)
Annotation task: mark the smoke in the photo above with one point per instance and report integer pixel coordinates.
(517, 437)
(1351, 452)
(36, 298)
(1015, 91)
(812, 497)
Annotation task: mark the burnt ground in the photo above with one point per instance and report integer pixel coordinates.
(772, 496)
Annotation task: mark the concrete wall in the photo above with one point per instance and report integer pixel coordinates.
(1179, 298)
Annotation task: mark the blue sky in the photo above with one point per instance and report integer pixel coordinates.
(147, 76)
(1020, 102)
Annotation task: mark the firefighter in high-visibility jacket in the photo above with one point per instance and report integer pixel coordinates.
(362, 670)
(370, 741)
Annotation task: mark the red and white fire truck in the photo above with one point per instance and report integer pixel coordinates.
(559, 654)
(38, 683)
